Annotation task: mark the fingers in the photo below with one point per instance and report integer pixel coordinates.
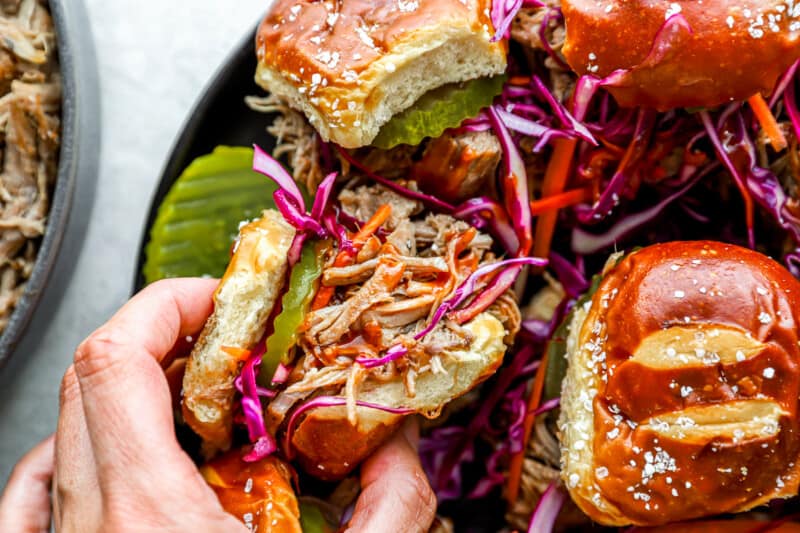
(125, 396)
(76, 493)
(25, 504)
(395, 492)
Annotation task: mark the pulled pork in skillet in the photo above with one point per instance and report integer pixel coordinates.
(30, 104)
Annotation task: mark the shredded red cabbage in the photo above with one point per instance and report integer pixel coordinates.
(564, 116)
(613, 190)
(553, 14)
(481, 212)
(265, 164)
(251, 402)
(466, 289)
(322, 195)
(572, 279)
(502, 15)
(263, 447)
(514, 183)
(294, 216)
(585, 243)
(547, 509)
(530, 128)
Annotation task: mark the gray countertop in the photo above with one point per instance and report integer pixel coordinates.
(153, 59)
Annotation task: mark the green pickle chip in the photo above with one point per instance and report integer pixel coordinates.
(294, 307)
(442, 108)
(199, 218)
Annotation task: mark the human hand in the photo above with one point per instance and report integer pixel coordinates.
(118, 465)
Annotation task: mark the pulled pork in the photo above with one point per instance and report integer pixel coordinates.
(30, 104)
(295, 139)
(378, 299)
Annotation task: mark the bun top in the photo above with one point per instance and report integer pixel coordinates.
(735, 49)
(350, 65)
(258, 493)
(694, 352)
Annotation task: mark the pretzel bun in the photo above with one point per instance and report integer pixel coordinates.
(736, 48)
(330, 447)
(242, 304)
(351, 65)
(259, 494)
(681, 393)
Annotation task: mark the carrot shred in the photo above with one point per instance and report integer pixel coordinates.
(555, 178)
(519, 80)
(560, 201)
(372, 225)
(515, 467)
(241, 354)
(345, 257)
(768, 122)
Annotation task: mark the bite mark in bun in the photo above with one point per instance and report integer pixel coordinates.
(681, 395)
(350, 66)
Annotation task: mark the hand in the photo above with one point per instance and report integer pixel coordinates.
(118, 465)
(395, 493)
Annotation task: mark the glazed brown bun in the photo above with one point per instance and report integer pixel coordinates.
(681, 394)
(351, 65)
(259, 494)
(736, 48)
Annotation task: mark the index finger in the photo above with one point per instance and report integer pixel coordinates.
(396, 495)
(125, 396)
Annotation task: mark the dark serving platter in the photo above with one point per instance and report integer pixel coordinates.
(220, 117)
(79, 123)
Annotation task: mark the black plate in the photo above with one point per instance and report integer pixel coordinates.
(220, 117)
(79, 130)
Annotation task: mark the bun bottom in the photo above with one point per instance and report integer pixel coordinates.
(329, 447)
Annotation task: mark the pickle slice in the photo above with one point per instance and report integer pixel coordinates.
(199, 218)
(442, 108)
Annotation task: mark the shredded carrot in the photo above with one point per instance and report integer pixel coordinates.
(345, 257)
(372, 225)
(519, 80)
(768, 122)
(234, 351)
(560, 201)
(515, 468)
(555, 178)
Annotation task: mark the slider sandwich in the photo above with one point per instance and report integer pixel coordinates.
(679, 399)
(344, 336)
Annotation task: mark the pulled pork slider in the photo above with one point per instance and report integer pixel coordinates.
(681, 394)
(685, 53)
(351, 66)
(357, 342)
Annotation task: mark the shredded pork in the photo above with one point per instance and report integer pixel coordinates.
(386, 296)
(30, 104)
(295, 139)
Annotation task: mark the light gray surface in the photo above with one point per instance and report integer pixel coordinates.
(154, 58)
